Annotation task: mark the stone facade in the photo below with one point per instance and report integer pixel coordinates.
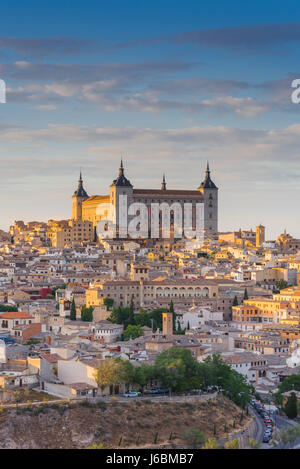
(97, 208)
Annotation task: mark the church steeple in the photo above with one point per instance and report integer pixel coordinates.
(207, 169)
(121, 179)
(163, 184)
(79, 196)
(80, 192)
(121, 169)
(207, 183)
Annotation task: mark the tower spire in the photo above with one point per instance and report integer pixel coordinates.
(80, 192)
(121, 179)
(121, 169)
(163, 184)
(207, 183)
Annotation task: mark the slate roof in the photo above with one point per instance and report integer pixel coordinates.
(208, 183)
(121, 179)
(80, 192)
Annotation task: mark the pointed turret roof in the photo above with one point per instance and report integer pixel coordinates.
(121, 179)
(207, 183)
(80, 192)
(163, 184)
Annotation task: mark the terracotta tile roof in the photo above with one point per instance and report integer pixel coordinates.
(51, 357)
(15, 315)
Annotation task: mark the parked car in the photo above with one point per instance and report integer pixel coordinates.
(266, 438)
(150, 391)
(211, 388)
(131, 394)
(160, 390)
(135, 390)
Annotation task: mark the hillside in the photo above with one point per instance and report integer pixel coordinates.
(116, 424)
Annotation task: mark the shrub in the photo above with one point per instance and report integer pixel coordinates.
(211, 444)
(253, 443)
(101, 405)
(195, 437)
(97, 446)
(232, 444)
(86, 403)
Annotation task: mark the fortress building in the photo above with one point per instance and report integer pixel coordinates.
(98, 207)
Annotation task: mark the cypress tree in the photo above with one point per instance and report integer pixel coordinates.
(73, 311)
(290, 407)
(235, 301)
(131, 319)
(245, 294)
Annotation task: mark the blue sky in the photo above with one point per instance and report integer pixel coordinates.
(167, 85)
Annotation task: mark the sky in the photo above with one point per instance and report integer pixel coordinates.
(168, 86)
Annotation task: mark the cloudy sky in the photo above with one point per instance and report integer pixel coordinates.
(167, 85)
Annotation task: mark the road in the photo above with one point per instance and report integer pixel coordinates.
(119, 398)
(162, 397)
(280, 422)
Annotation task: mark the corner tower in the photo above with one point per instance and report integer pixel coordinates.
(210, 199)
(79, 196)
(120, 187)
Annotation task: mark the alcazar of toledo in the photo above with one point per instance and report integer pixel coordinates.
(93, 208)
(88, 211)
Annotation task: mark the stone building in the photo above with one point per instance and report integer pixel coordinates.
(107, 207)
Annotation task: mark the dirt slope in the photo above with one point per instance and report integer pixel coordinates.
(117, 424)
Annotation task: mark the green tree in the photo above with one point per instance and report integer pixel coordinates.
(87, 314)
(286, 436)
(108, 302)
(6, 309)
(61, 287)
(73, 311)
(142, 375)
(171, 307)
(142, 318)
(156, 315)
(125, 371)
(177, 369)
(120, 315)
(132, 332)
(131, 320)
(246, 294)
(290, 407)
(290, 383)
(113, 372)
(281, 284)
(235, 301)
(221, 374)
